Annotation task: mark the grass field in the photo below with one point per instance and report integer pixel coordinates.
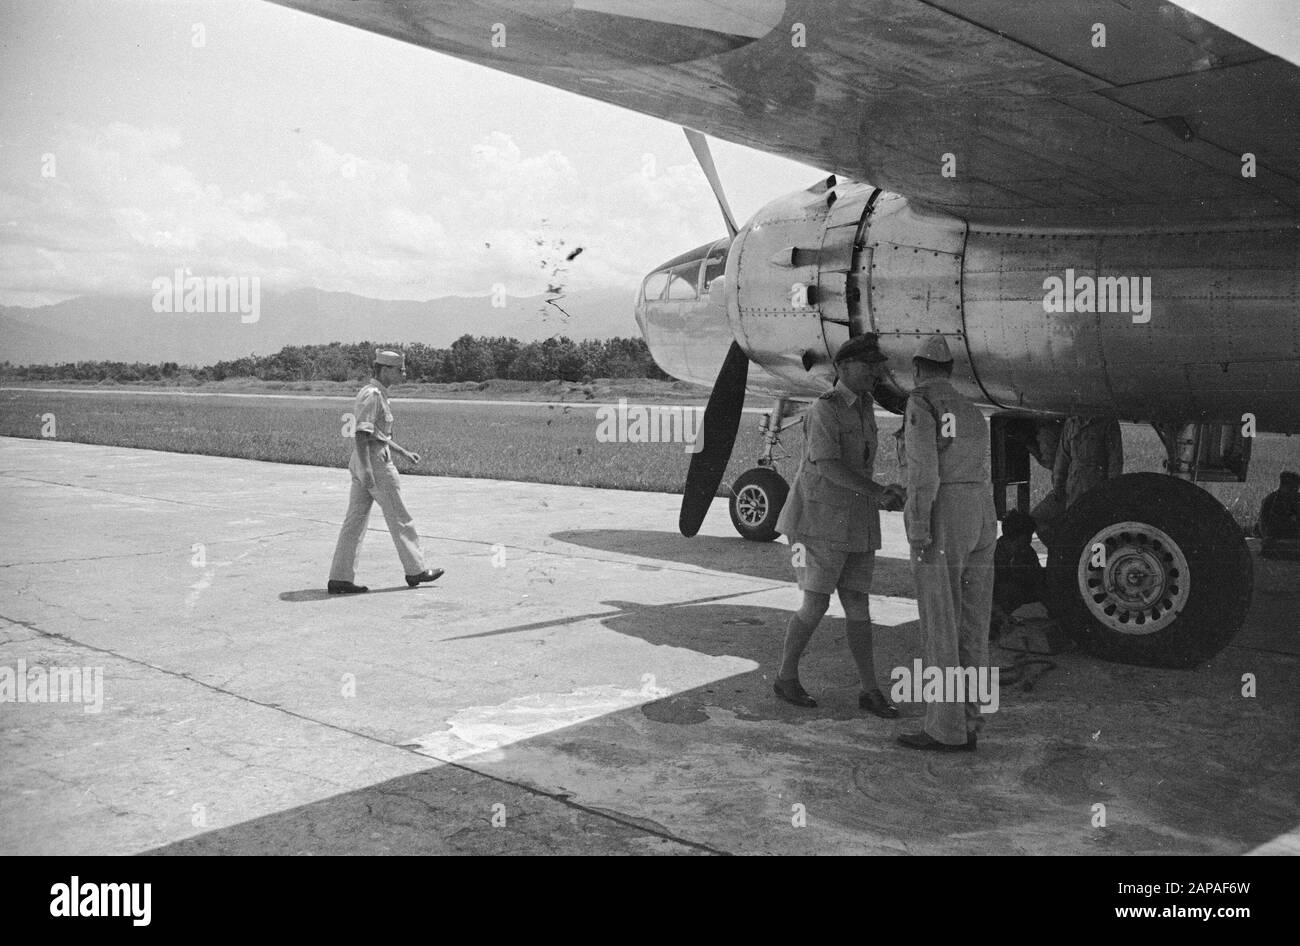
(531, 443)
(645, 390)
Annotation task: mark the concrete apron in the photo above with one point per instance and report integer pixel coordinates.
(583, 679)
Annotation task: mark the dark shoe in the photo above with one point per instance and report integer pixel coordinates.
(345, 588)
(876, 703)
(923, 740)
(425, 575)
(792, 691)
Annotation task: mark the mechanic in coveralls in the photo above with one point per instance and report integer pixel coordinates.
(1091, 452)
(952, 530)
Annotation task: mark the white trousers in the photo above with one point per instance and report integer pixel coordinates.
(954, 594)
(388, 493)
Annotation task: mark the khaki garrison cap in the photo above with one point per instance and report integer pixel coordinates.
(934, 348)
(394, 359)
(865, 347)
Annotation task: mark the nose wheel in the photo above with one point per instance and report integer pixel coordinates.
(756, 500)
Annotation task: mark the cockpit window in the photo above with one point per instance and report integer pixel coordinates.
(653, 287)
(684, 281)
(679, 289)
(714, 267)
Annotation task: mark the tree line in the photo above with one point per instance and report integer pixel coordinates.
(470, 358)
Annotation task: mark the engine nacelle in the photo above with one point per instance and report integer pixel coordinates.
(1165, 327)
(817, 266)
(1154, 326)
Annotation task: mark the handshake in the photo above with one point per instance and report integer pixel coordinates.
(894, 497)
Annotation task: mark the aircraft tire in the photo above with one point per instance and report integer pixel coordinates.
(755, 503)
(1150, 569)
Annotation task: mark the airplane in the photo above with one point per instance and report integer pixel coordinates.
(1096, 204)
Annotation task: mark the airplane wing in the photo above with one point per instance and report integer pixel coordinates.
(1062, 112)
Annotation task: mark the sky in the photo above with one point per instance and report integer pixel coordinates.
(236, 137)
(308, 153)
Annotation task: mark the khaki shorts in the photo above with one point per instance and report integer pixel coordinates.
(826, 570)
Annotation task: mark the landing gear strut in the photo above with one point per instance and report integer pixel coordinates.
(759, 493)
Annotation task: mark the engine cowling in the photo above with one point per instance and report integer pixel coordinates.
(793, 285)
(817, 266)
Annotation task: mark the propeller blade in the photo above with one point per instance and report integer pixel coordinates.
(721, 420)
(700, 145)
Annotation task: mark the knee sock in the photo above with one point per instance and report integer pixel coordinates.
(797, 635)
(860, 645)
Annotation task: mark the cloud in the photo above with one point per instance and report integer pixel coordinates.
(124, 207)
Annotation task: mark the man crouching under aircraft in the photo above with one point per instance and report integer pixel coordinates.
(832, 519)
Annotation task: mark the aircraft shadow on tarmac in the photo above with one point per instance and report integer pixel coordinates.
(1029, 788)
(768, 560)
(445, 809)
(442, 810)
(720, 627)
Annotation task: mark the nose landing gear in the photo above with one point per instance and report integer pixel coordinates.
(759, 493)
(756, 500)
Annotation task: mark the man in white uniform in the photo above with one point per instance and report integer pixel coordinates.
(375, 480)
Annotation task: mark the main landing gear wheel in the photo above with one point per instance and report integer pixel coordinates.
(756, 500)
(1150, 569)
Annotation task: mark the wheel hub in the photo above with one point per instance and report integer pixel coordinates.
(1140, 581)
(752, 505)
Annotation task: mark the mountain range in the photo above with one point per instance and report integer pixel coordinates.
(126, 328)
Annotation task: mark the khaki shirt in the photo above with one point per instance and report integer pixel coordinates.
(839, 425)
(946, 439)
(375, 417)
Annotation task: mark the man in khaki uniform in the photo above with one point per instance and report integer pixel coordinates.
(832, 520)
(375, 480)
(952, 530)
